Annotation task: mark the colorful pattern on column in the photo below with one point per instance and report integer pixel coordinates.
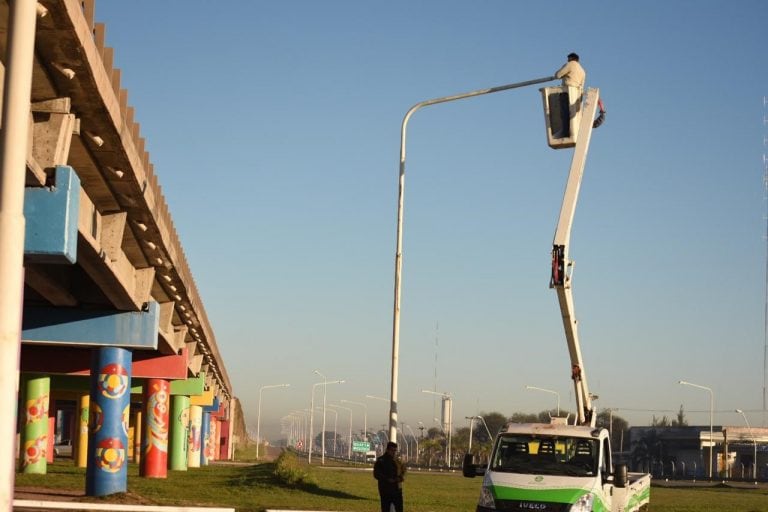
(155, 442)
(179, 433)
(34, 438)
(107, 469)
(195, 424)
(205, 434)
(80, 451)
(213, 437)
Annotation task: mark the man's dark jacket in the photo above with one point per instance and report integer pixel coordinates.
(385, 471)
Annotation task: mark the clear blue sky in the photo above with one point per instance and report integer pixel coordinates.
(274, 129)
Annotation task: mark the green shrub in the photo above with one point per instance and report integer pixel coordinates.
(291, 472)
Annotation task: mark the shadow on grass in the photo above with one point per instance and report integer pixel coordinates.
(263, 475)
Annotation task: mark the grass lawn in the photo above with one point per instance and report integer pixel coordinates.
(255, 488)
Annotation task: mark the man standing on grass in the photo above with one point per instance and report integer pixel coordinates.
(390, 473)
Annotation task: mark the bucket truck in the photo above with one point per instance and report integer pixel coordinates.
(557, 466)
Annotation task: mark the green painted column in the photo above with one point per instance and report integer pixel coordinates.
(177, 454)
(80, 438)
(34, 432)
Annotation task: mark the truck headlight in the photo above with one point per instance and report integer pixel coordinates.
(583, 504)
(486, 498)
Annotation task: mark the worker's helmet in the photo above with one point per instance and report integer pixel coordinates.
(573, 56)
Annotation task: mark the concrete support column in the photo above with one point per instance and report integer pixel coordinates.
(205, 438)
(110, 405)
(80, 436)
(179, 433)
(195, 425)
(157, 394)
(138, 434)
(213, 440)
(35, 430)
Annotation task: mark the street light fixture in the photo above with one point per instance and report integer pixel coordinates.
(258, 415)
(754, 440)
(711, 414)
(547, 391)
(399, 236)
(335, 426)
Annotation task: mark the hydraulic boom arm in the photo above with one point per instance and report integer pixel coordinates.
(562, 266)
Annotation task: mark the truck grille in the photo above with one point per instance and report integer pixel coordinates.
(532, 506)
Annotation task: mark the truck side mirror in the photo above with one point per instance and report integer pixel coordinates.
(470, 470)
(620, 476)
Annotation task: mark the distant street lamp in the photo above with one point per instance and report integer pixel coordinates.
(325, 394)
(711, 414)
(258, 415)
(335, 426)
(365, 415)
(349, 442)
(548, 391)
(754, 440)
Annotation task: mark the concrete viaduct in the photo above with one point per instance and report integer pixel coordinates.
(115, 351)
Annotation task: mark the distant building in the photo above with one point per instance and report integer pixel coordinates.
(683, 452)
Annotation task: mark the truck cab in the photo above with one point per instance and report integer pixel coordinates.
(556, 467)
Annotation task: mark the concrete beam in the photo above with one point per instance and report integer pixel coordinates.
(131, 329)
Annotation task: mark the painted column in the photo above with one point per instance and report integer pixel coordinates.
(205, 436)
(110, 405)
(80, 436)
(51, 435)
(138, 434)
(213, 453)
(179, 433)
(34, 433)
(157, 394)
(195, 424)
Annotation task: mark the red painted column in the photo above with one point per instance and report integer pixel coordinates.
(157, 400)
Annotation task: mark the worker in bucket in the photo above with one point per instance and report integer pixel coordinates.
(573, 75)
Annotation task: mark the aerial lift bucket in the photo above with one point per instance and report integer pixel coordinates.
(562, 114)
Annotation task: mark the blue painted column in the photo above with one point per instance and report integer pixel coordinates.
(205, 434)
(107, 467)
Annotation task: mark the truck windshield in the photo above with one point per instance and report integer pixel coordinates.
(545, 455)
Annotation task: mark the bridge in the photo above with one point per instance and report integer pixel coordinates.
(116, 352)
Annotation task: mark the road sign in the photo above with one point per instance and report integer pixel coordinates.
(361, 446)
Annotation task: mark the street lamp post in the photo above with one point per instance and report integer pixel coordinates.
(312, 416)
(446, 397)
(416, 441)
(471, 422)
(399, 235)
(365, 415)
(335, 425)
(258, 415)
(325, 394)
(349, 442)
(711, 414)
(754, 441)
(548, 391)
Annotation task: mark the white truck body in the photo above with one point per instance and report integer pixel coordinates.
(557, 468)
